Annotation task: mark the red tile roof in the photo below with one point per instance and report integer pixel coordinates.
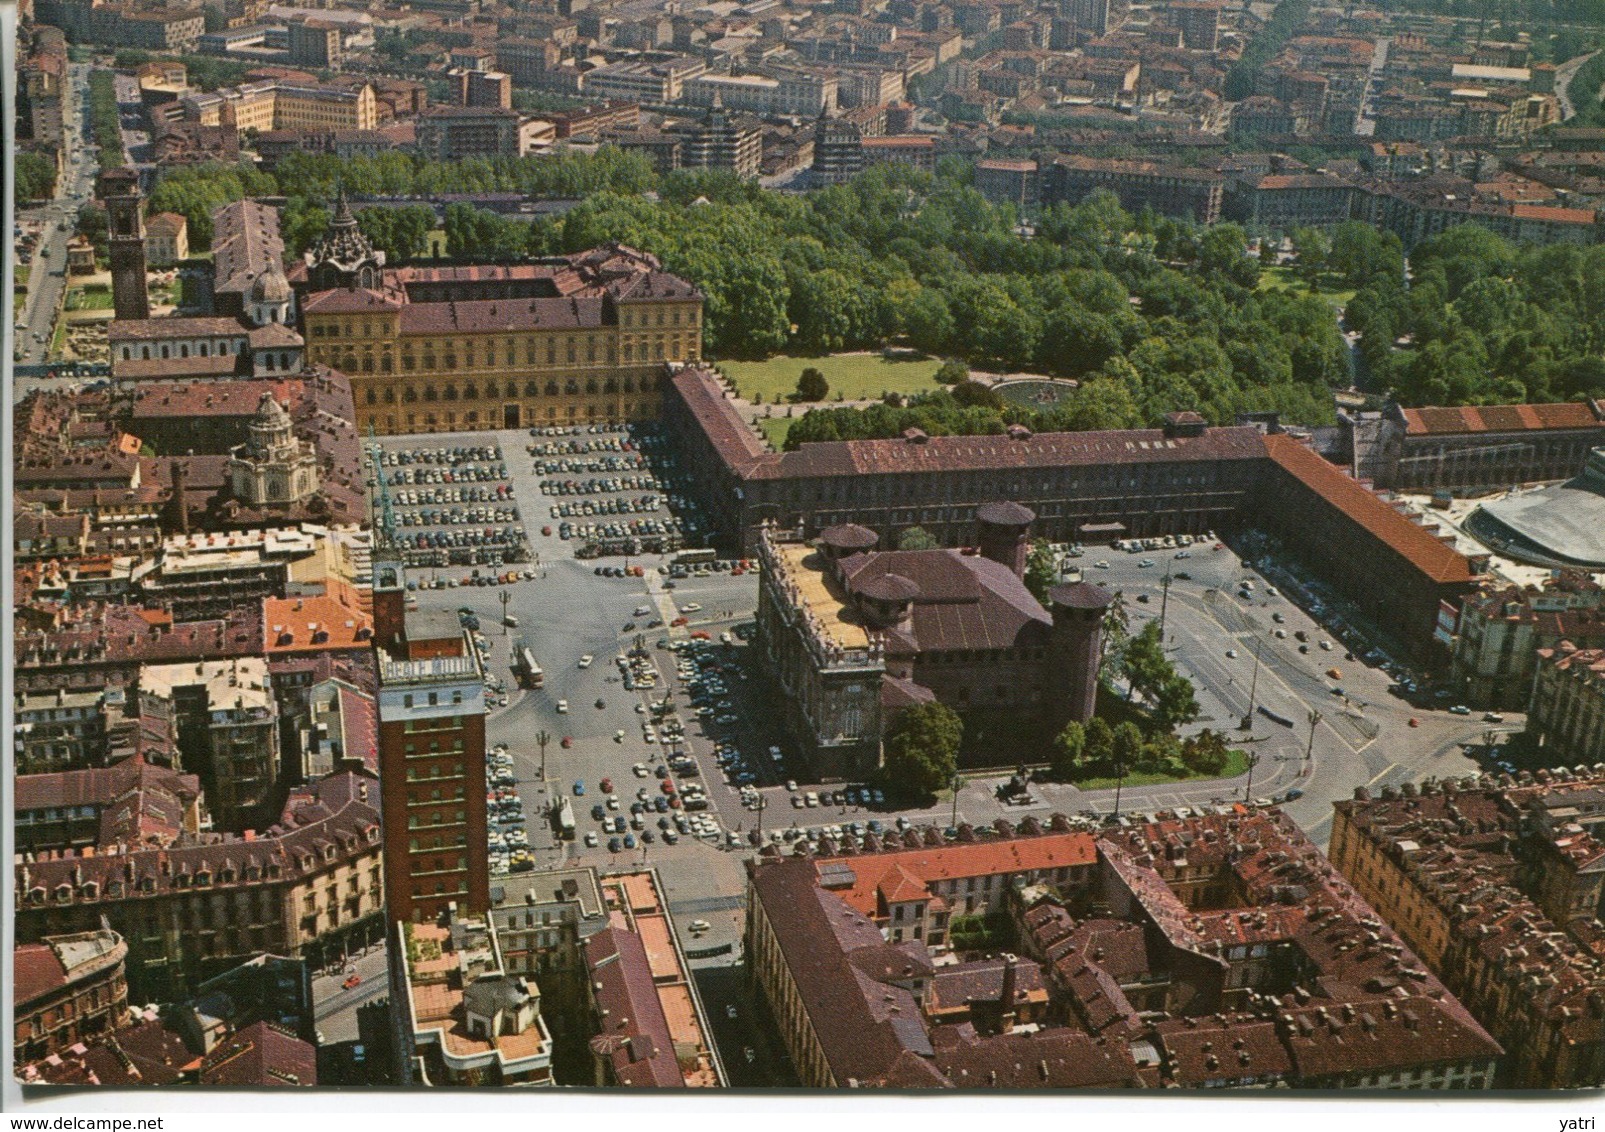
(261, 1055)
(1503, 418)
(1411, 541)
(1015, 855)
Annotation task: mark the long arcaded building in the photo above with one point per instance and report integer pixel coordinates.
(1185, 478)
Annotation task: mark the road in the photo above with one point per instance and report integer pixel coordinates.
(45, 285)
(334, 1005)
(1563, 81)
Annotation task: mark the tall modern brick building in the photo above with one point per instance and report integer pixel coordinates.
(431, 757)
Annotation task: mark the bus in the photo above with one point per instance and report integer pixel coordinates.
(565, 820)
(694, 557)
(525, 666)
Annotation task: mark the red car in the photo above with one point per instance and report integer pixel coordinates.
(678, 621)
(701, 635)
(674, 801)
(352, 981)
(546, 531)
(568, 741)
(667, 786)
(607, 786)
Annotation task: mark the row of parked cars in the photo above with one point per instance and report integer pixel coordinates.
(509, 841)
(641, 505)
(453, 457)
(430, 517)
(633, 528)
(424, 496)
(573, 446)
(592, 466)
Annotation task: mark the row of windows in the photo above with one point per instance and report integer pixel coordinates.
(531, 388)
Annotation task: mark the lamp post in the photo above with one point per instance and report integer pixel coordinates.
(542, 737)
(958, 784)
(1248, 787)
(1309, 751)
(1253, 689)
(1164, 602)
(1120, 780)
(506, 597)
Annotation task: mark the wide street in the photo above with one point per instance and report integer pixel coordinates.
(47, 272)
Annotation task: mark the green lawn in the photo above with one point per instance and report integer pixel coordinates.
(437, 243)
(776, 428)
(1236, 764)
(19, 274)
(89, 299)
(1287, 278)
(860, 377)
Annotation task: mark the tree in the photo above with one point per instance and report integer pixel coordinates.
(1312, 247)
(812, 386)
(973, 394)
(1175, 703)
(92, 226)
(1145, 665)
(1041, 570)
(1099, 748)
(35, 176)
(916, 538)
(922, 748)
(952, 371)
(1069, 749)
(1127, 748)
(1116, 636)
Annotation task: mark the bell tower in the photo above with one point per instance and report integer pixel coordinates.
(118, 190)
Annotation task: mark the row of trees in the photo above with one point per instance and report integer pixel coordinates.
(1480, 320)
(104, 122)
(1098, 750)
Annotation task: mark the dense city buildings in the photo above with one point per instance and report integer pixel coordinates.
(1219, 951)
(309, 885)
(852, 635)
(1567, 713)
(1501, 629)
(1496, 885)
(68, 990)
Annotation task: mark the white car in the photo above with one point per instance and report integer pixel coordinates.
(585, 661)
(691, 607)
(562, 707)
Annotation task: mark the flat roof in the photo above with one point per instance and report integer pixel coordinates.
(818, 603)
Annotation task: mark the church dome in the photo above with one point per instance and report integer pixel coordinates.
(270, 287)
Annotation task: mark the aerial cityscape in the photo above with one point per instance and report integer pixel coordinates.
(986, 545)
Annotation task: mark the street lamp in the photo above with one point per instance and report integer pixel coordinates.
(543, 737)
(1120, 780)
(1248, 787)
(958, 784)
(1315, 721)
(1253, 689)
(1164, 602)
(506, 597)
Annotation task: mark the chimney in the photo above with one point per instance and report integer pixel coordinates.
(1006, 1011)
